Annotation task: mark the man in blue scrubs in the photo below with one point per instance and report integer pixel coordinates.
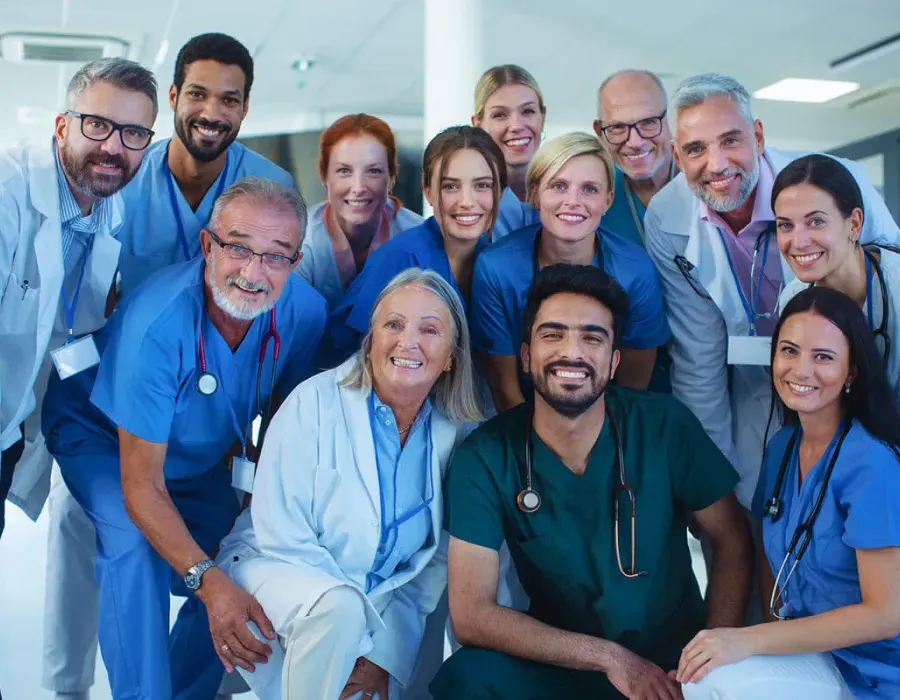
(150, 444)
(166, 205)
(171, 198)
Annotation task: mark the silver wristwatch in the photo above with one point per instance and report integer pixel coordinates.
(193, 575)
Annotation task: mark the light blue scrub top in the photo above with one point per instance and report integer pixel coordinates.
(513, 215)
(318, 266)
(405, 486)
(859, 512)
(149, 234)
(422, 246)
(504, 273)
(146, 380)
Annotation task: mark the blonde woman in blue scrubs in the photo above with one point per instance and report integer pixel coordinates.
(509, 105)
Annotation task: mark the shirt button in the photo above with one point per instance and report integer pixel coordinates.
(389, 422)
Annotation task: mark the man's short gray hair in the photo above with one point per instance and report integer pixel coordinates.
(266, 192)
(453, 393)
(698, 89)
(118, 72)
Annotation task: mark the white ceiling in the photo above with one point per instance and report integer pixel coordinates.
(369, 55)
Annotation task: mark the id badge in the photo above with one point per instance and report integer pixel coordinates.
(75, 357)
(242, 473)
(749, 350)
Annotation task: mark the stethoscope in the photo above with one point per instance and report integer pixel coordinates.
(774, 509)
(529, 500)
(207, 383)
(763, 240)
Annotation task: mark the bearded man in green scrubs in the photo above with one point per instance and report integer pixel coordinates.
(613, 600)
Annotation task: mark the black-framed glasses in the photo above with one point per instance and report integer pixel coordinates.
(273, 261)
(648, 128)
(134, 137)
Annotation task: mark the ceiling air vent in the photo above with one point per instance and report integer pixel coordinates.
(59, 48)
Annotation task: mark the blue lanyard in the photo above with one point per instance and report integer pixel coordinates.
(869, 310)
(750, 311)
(70, 308)
(173, 200)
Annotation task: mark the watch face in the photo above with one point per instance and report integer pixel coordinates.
(192, 580)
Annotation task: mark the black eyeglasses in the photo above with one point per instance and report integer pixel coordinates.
(648, 128)
(134, 137)
(274, 261)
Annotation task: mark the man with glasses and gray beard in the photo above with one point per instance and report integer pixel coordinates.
(59, 206)
(152, 442)
(711, 234)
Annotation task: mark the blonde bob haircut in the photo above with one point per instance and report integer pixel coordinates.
(554, 154)
(497, 77)
(453, 394)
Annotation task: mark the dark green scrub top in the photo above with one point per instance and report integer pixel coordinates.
(565, 553)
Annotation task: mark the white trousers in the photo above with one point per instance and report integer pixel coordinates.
(795, 677)
(71, 596)
(315, 658)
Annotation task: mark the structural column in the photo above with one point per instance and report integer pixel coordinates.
(454, 60)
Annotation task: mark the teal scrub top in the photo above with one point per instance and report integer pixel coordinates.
(565, 553)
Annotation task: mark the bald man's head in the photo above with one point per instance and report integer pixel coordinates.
(634, 97)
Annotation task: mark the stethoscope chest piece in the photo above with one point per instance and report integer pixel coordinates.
(773, 508)
(207, 384)
(528, 500)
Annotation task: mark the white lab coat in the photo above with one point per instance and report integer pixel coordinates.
(318, 266)
(732, 403)
(31, 275)
(890, 268)
(315, 524)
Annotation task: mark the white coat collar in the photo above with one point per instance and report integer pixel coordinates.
(680, 215)
(356, 417)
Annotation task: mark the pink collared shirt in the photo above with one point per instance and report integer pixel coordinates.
(740, 249)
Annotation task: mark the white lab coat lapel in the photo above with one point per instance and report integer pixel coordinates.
(44, 188)
(707, 253)
(356, 417)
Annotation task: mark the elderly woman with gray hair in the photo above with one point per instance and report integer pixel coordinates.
(343, 543)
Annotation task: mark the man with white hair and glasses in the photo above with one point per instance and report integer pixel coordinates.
(153, 441)
(711, 234)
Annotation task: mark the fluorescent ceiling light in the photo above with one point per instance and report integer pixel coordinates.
(803, 90)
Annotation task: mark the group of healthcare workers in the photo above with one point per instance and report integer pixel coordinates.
(158, 299)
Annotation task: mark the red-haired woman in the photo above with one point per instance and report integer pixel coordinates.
(358, 167)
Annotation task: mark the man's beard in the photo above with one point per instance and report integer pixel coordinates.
(724, 204)
(93, 184)
(205, 154)
(244, 311)
(564, 403)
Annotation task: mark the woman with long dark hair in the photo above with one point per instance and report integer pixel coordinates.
(819, 216)
(827, 497)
